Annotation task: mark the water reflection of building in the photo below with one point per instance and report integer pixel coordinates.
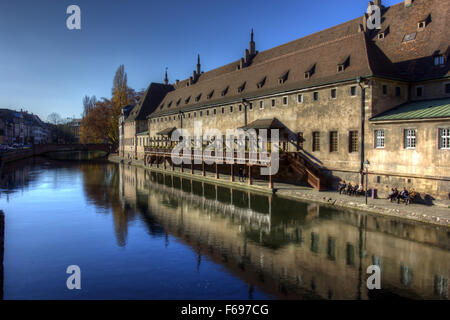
(291, 249)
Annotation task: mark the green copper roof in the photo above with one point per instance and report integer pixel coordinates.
(426, 109)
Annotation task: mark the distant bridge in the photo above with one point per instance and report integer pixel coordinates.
(40, 149)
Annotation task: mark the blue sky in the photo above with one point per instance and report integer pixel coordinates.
(45, 68)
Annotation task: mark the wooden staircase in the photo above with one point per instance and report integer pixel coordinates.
(305, 167)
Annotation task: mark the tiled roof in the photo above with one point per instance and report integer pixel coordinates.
(167, 131)
(426, 109)
(150, 100)
(325, 58)
(272, 123)
(361, 53)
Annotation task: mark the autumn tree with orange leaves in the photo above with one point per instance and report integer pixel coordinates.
(101, 118)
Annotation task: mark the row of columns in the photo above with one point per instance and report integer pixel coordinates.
(216, 167)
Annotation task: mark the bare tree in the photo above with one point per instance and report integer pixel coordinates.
(54, 118)
(88, 104)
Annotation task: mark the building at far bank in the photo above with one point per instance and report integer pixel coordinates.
(21, 127)
(133, 127)
(345, 95)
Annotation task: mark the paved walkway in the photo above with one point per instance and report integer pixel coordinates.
(438, 214)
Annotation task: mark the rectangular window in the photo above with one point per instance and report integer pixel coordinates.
(207, 112)
(299, 98)
(261, 104)
(439, 60)
(285, 101)
(353, 141)
(240, 107)
(273, 103)
(353, 91)
(333, 93)
(444, 138)
(201, 114)
(333, 141)
(447, 88)
(223, 110)
(419, 91)
(231, 109)
(215, 111)
(300, 140)
(250, 106)
(384, 90)
(410, 138)
(316, 96)
(316, 141)
(379, 139)
(398, 91)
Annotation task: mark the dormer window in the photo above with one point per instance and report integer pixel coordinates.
(381, 35)
(310, 71)
(161, 107)
(178, 102)
(169, 105)
(241, 87)
(225, 91)
(439, 60)
(198, 97)
(421, 25)
(261, 83)
(209, 96)
(187, 100)
(343, 64)
(283, 78)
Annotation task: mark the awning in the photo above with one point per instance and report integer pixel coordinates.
(167, 131)
(144, 133)
(424, 109)
(273, 123)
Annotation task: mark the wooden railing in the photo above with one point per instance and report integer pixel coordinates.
(314, 176)
(254, 158)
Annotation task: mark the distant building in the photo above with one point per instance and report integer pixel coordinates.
(22, 127)
(74, 128)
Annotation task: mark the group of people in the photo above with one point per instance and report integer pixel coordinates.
(405, 195)
(349, 189)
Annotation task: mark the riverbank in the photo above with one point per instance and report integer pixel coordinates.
(436, 214)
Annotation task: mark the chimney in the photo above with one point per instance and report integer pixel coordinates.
(408, 3)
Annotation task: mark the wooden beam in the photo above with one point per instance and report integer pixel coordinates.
(250, 181)
(270, 178)
(231, 173)
(203, 168)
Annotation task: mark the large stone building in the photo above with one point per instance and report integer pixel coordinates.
(344, 95)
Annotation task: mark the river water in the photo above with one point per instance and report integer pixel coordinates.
(140, 235)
